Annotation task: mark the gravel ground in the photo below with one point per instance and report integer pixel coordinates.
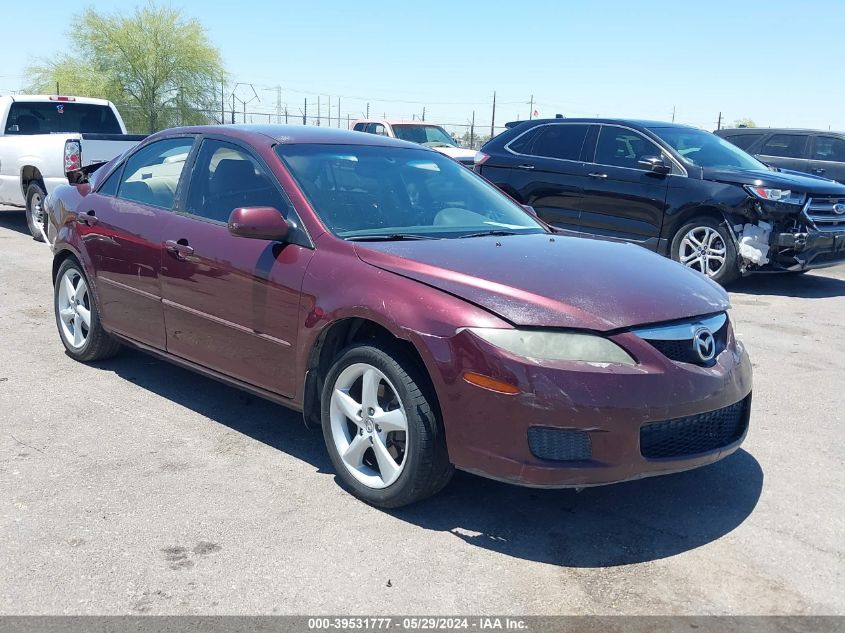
(133, 486)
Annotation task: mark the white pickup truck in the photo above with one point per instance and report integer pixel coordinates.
(44, 137)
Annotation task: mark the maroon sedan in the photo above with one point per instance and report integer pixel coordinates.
(424, 319)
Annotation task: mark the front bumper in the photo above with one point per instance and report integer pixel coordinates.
(488, 432)
(805, 251)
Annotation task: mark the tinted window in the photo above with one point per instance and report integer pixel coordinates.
(359, 127)
(109, 187)
(225, 178)
(375, 192)
(829, 148)
(785, 145)
(430, 135)
(376, 128)
(61, 116)
(623, 148)
(743, 141)
(560, 141)
(152, 174)
(522, 144)
(704, 149)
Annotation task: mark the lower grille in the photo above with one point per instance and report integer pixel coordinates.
(695, 434)
(559, 445)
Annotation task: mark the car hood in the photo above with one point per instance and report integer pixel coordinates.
(546, 280)
(456, 152)
(784, 179)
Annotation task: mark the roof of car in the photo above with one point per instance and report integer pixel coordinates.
(635, 122)
(777, 130)
(396, 122)
(290, 134)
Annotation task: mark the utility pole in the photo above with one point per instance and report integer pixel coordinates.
(719, 122)
(423, 113)
(329, 110)
(368, 111)
(286, 115)
(338, 113)
(673, 114)
(472, 132)
(347, 120)
(278, 104)
(233, 108)
(493, 119)
(305, 113)
(222, 101)
(318, 110)
(531, 108)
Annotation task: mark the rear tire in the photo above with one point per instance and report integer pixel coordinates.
(389, 447)
(76, 316)
(705, 245)
(35, 215)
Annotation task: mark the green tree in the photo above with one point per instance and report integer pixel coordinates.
(744, 122)
(157, 65)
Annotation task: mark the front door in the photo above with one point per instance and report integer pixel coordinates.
(121, 224)
(623, 199)
(828, 157)
(231, 303)
(787, 151)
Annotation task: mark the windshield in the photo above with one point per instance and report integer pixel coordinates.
(703, 149)
(45, 117)
(428, 135)
(389, 192)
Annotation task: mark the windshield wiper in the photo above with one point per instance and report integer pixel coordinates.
(391, 237)
(497, 232)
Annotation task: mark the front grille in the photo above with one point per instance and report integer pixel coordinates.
(560, 445)
(702, 433)
(820, 212)
(684, 351)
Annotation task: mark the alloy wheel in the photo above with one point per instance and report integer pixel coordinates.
(369, 426)
(74, 308)
(703, 249)
(36, 210)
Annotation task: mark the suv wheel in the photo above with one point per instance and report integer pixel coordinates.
(36, 218)
(703, 244)
(76, 316)
(381, 430)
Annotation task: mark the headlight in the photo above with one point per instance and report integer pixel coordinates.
(544, 345)
(776, 195)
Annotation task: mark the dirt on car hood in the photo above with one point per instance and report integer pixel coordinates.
(548, 280)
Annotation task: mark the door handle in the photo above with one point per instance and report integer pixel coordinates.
(180, 249)
(597, 174)
(819, 171)
(525, 166)
(88, 219)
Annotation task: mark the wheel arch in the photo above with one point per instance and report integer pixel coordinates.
(31, 174)
(340, 334)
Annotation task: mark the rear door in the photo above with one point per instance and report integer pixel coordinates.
(122, 226)
(544, 168)
(231, 303)
(623, 199)
(827, 158)
(786, 150)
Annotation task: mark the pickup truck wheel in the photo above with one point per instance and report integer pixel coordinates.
(35, 215)
(77, 318)
(383, 435)
(703, 244)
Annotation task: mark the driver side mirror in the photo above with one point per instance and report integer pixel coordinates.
(655, 164)
(260, 223)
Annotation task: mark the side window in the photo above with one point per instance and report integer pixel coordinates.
(623, 148)
(743, 141)
(109, 187)
(376, 128)
(830, 148)
(225, 178)
(359, 127)
(563, 141)
(785, 146)
(152, 174)
(522, 144)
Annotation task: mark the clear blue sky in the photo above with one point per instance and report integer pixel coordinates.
(776, 62)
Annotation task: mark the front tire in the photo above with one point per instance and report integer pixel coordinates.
(35, 215)
(76, 316)
(705, 245)
(381, 427)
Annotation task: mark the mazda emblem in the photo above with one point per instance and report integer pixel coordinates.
(704, 344)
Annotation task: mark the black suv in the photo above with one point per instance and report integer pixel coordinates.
(678, 190)
(810, 151)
